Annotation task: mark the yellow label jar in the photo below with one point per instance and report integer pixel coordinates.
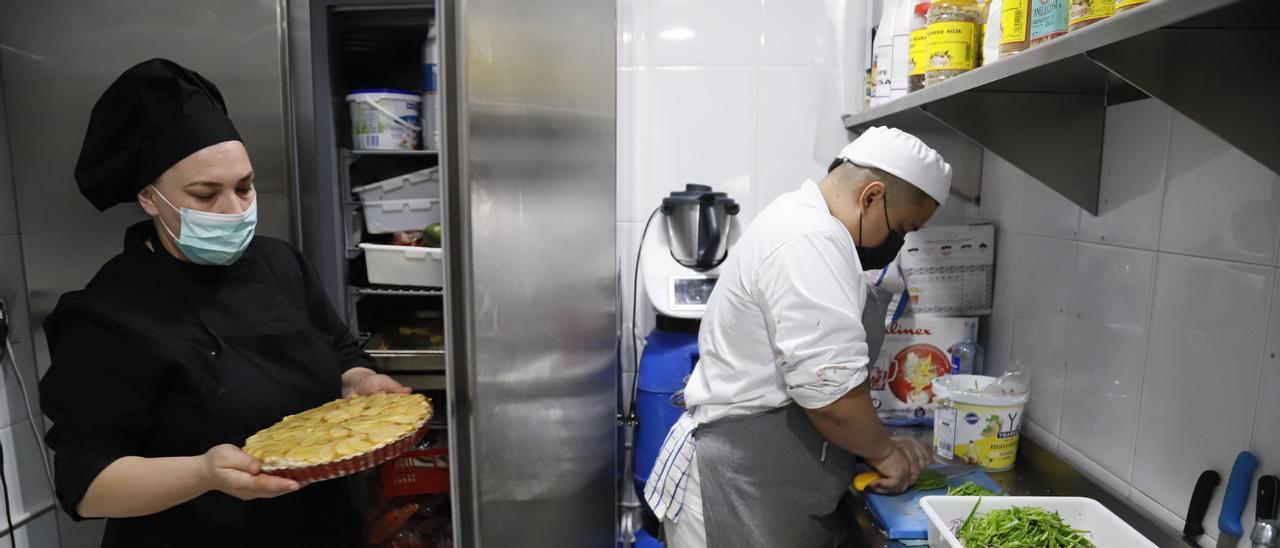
(1083, 13)
(951, 40)
(917, 50)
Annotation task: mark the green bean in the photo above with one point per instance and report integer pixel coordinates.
(970, 489)
(929, 480)
(1019, 526)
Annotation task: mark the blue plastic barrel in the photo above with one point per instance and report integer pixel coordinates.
(667, 362)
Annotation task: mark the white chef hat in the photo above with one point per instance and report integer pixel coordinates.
(903, 155)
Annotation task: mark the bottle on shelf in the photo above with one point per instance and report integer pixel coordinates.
(991, 32)
(1014, 31)
(898, 75)
(918, 52)
(951, 39)
(431, 90)
(1083, 13)
(882, 60)
(1048, 20)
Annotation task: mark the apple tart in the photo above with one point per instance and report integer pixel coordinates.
(341, 437)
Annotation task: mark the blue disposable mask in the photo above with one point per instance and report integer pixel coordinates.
(212, 238)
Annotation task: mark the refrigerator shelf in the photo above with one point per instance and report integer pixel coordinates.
(403, 291)
(402, 153)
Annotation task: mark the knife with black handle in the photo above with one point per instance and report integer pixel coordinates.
(1200, 497)
(1268, 498)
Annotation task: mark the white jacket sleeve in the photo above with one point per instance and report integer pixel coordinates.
(812, 295)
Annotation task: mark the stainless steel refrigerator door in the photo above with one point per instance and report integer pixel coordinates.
(531, 223)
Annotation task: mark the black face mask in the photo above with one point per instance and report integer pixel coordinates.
(878, 257)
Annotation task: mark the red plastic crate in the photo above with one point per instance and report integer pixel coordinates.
(421, 472)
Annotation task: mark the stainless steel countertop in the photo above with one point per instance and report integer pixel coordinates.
(1038, 472)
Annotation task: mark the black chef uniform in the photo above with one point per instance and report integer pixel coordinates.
(157, 357)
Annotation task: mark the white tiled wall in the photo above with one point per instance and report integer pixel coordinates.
(1152, 329)
(742, 95)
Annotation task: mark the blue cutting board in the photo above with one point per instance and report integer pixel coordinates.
(901, 515)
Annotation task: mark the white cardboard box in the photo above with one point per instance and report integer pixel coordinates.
(950, 270)
(916, 350)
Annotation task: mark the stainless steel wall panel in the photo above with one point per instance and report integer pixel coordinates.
(532, 270)
(58, 57)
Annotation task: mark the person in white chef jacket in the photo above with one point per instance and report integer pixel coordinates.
(779, 404)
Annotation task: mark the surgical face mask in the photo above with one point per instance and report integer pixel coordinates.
(212, 238)
(878, 257)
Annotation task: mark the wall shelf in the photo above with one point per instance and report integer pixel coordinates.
(1044, 109)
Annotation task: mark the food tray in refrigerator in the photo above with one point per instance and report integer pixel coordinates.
(398, 352)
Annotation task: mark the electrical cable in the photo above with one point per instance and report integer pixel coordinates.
(31, 418)
(6, 350)
(8, 510)
(635, 298)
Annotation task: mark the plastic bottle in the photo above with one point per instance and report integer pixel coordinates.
(1015, 33)
(967, 354)
(1048, 20)
(431, 90)
(991, 33)
(898, 75)
(1083, 13)
(882, 62)
(918, 51)
(1126, 5)
(983, 6)
(952, 39)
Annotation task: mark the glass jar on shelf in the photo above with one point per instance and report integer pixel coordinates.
(951, 41)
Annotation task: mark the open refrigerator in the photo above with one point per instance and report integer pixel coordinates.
(522, 448)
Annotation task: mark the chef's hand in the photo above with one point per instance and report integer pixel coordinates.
(362, 381)
(901, 468)
(230, 470)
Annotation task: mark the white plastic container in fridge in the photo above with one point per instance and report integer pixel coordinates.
(404, 265)
(416, 185)
(947, 514)
(388, 216)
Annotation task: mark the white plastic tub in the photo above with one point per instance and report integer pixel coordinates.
(973, 428)
(424, 183)
(947, 514)
(404, 265)
(384, 119)
(387, 216)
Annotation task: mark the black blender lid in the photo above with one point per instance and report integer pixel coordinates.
(695, 194)
(691, 194)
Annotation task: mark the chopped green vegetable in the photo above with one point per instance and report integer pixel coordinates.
(971, 489)
(1019, 527)
(929, 480)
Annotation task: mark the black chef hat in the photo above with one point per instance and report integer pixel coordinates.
(154, 115)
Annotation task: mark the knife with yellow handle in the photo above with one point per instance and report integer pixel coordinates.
(948, 471)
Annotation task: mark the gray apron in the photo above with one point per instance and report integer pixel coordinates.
(771, 479)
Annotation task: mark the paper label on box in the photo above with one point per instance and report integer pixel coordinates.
(950, 270)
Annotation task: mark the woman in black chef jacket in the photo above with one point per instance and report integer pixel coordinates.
(194, 337)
